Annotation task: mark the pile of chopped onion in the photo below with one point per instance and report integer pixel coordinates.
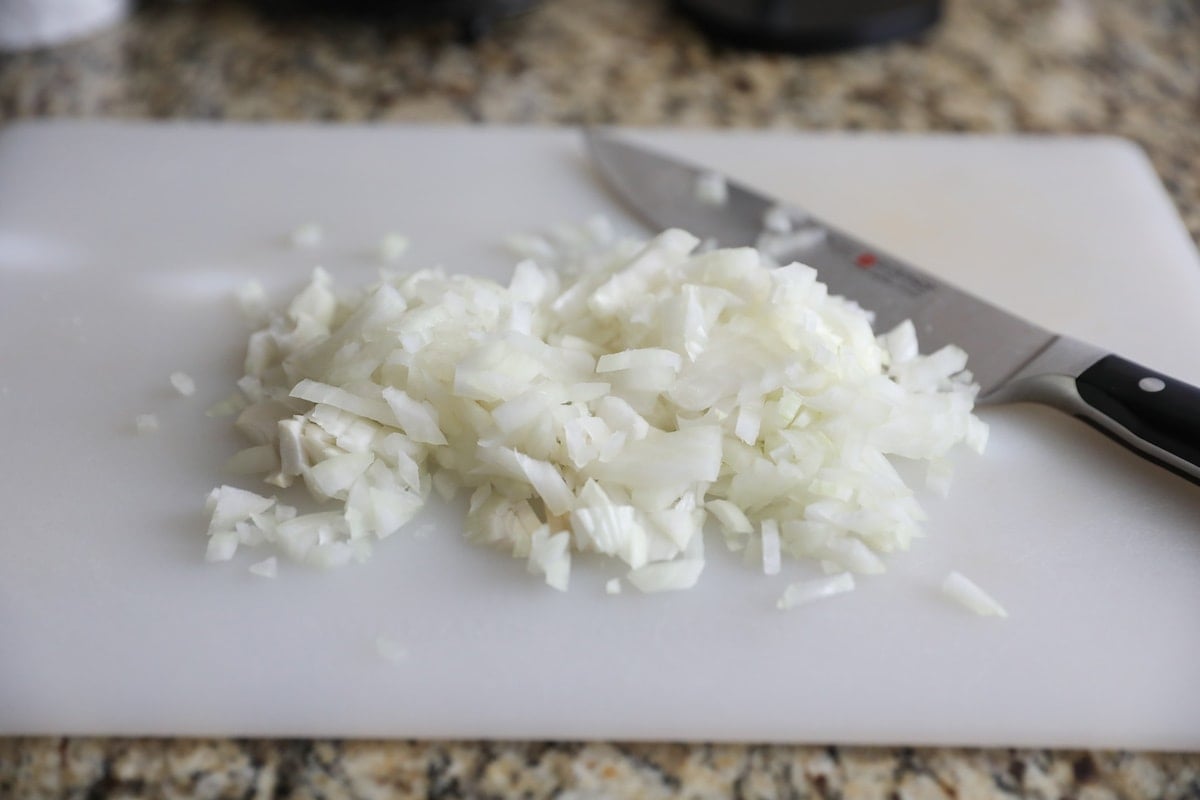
(612, 399)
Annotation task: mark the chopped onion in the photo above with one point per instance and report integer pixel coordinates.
(771, 559)
(307, 236)
(231, 505)
(391, 510)
(803, 592)
(292, 459)
(966, 593)
(419, 420)
(334, 476)
(778, 219)
(183, 383)
(614, 530)
(338, 397)
(228, 407)
(664, 576)
(252, 301)
(267, 568)
(392, 246)
(901, 343)
(608, 398)
(146, 423)
(939, 475)
(221, 546)
(855, 555)
(711, 189)
(550, 554)
(252, 460)
(730, 516)
(780, 245)
(645, 358)
(977, 434)
(613, 586)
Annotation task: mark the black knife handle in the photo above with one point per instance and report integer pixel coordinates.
(1153, 414)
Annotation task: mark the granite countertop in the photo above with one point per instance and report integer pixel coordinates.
(1124, 67)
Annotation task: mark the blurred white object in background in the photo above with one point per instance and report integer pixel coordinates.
(36, 23)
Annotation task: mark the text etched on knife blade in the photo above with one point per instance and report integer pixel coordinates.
(883, 269)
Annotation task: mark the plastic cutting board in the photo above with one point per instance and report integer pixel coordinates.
(120, 246)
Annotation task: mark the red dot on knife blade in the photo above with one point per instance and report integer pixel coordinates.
(866, 260)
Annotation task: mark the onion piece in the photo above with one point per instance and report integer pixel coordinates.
(642, 358)
(853, 554)
(667, 576)
(804, 592)
(317, 392)
(771, 558)
(419, 420)
(231, 505)
(391, 510)
(550, 554)
(334, 476)
(252, 301)
(939, 475)
(392, 246)
(221, 546)
(966, 593)
(778, 219)
(183, 383)
(732, 518)
(307, 236)
(977, 434)
(267, 568)
(252, 460)
(710, 189)
(665, 459)
(228, 407)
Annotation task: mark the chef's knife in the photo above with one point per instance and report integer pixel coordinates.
(1154, 415)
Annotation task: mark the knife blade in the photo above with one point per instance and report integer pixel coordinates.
(1013, 360)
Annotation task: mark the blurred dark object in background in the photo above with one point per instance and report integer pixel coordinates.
(474, 18)
(806, 26)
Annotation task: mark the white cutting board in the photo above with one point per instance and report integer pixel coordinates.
(120, 246)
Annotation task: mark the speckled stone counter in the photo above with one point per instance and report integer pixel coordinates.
(1124, 67)
(334, 770)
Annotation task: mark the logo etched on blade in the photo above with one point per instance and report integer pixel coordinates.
(882, 269)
